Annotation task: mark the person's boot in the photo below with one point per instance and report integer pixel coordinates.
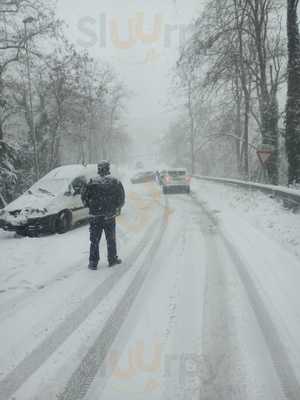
(92, 266)
(115, 261)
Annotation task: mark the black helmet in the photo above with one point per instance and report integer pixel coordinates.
(103, 167)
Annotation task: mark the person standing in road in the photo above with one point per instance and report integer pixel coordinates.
(104, 196)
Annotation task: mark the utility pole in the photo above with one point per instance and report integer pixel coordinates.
(26, 21)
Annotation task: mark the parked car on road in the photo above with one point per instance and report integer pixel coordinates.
(175, 180)
(53, 204)
(143, 177)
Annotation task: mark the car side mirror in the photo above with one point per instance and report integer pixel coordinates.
(77, 191)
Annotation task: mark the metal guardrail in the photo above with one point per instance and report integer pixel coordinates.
(289, 197)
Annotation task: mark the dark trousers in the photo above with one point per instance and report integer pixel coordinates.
(97, 225)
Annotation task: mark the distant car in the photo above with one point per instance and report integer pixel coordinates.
(175, 180)
(143, 177)
(139, 165)
(51, 205)
(161, 176)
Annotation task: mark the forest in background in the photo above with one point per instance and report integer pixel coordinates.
(57, 104)
(233, 76)
(236, 84)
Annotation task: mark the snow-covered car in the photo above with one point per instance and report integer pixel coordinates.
(53, 204)
(143, 177)
(175, 180)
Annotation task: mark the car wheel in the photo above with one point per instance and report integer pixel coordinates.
(21, 233)
(165, 190)
(33, 234)
(188, 190)
(63, 221)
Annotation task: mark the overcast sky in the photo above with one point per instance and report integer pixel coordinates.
(143, 63)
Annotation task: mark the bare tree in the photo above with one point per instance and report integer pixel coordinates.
(267, 42)
(78, 104)
(239, 48)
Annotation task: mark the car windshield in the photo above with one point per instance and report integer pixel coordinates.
(50, 186)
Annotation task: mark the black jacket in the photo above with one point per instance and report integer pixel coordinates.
(103, 196)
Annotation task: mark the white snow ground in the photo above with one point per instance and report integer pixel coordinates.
(257, 208)
(205, 305)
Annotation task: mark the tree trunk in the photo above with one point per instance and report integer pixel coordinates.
(246, 135)
(273, 117)
(192, 128)
(238, 120)
(293, 95)
(243, 75)
(1, 132)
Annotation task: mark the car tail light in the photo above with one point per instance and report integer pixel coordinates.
(168, 179)
(188, 179)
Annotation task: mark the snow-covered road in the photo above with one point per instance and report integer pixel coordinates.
(205, 306)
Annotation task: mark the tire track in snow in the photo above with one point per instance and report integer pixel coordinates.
(82, 378)
(219, 359)
(181, 379)
(14, 380)
(277, 349)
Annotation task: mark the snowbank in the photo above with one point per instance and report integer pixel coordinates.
(257, 208)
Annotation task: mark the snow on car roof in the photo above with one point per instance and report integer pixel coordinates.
(144, 173)
(72, 171)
